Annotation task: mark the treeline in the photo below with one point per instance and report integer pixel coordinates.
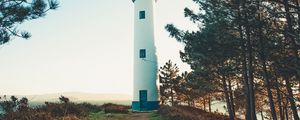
(245, 53)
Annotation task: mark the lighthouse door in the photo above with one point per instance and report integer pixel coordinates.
(143, 99)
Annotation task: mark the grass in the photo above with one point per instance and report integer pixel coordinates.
(102, 116)
(116, 116)
(156, 116)
(189, 113)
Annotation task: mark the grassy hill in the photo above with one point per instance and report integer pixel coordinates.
(65, 109)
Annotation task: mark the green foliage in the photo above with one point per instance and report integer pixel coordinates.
(243, 53)
(16, 12)
(169, 82)
(114, 108)
(185, 88)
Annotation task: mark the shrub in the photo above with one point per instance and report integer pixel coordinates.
(15, 109)
(114, 108)
(87, 107)
(177, 114)
(41, 116)
(63, 109)
(55, 109)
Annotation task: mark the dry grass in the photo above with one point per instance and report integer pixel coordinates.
(189, 113)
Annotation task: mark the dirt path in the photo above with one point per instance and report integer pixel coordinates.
(139, 116)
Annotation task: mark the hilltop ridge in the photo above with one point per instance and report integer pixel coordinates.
(95, 98)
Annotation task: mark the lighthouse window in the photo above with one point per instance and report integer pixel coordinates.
(142, 53)
(142, 15)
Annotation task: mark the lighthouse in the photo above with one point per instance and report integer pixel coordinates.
(145, 91)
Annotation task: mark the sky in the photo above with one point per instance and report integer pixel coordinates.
(86, 46)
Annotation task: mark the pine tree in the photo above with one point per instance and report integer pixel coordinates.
(169, 82)
(250, 49)
(16, 12)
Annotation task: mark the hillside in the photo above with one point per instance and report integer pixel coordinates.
(189, 113)
(164, 113)
(66, 109)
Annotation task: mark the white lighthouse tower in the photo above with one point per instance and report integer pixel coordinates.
(145, 92)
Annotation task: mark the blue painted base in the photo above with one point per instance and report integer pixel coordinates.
(149, 106)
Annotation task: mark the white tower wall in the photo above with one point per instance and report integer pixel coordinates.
(145, 69)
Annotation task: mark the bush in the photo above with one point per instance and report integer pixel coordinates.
(63, 109)
(41, 116)
(87, 107)
(176, 114)
(114, 108)
(15, 109)
(30, 114)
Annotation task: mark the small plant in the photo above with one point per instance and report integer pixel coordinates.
(64, 99)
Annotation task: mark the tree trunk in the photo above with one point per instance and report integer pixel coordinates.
(286, 109)
(279, 100)
(244, 64)
(295, 52)
(189, 101)
(291, 99)
(204, 104)
(265, 72)
(298, 10)
(209, 103)
(249, 50)
(298, 35)
(193, 102)
(231, 97)
(226, 93)
(290, 32)
(250, 71)
(262, 115)
(270, 95)
(172, 96)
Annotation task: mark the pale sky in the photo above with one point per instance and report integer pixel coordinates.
(85, 46)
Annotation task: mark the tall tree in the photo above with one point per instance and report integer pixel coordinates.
(250, 49)
(169, 82)
(212, 48)
(263, 58)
